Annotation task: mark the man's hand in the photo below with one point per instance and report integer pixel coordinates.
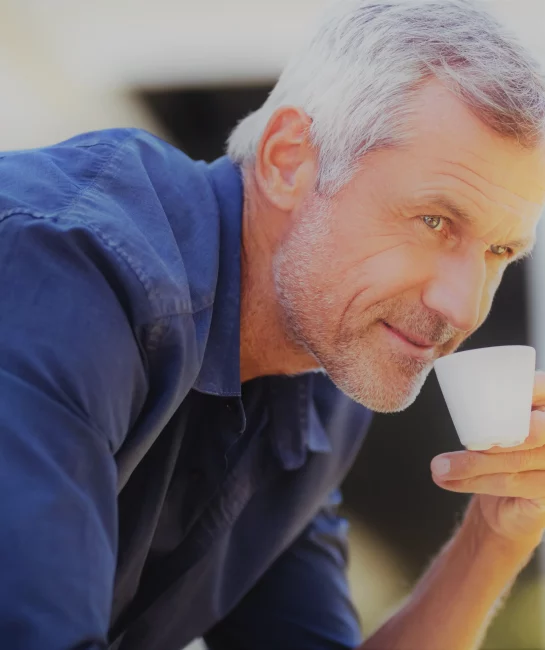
(453, 602)
(509, 483)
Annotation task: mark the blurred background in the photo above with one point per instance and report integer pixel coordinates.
(187, 71)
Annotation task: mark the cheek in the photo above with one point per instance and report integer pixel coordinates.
(389, 273)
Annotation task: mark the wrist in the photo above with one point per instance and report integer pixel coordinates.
(480, 540)
(453, 602)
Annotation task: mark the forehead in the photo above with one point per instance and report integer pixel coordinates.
(452, 150)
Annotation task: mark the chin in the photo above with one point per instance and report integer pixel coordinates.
(381, 389)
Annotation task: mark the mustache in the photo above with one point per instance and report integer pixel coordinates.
(427, 325)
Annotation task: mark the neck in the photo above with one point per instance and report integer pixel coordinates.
(265, 347)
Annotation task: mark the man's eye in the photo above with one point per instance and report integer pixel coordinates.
(435, 223)
(499, 250)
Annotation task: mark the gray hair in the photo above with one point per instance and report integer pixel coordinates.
(368, 59)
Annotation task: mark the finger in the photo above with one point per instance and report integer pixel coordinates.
(525, 485)
(536, 436)
(538, 398)
(469, 464)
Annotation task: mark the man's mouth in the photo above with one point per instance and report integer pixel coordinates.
(410, 338)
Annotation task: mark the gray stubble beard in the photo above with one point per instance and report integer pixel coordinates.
(353, 368)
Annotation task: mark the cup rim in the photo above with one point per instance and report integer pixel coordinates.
(484, 350)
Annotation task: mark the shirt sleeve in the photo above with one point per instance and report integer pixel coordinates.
(71, 380)
(303, 600)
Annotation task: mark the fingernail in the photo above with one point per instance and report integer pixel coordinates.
(440, 466)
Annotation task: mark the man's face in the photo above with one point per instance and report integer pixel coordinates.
(402, 264)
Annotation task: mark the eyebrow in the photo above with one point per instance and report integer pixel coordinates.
(461, 214)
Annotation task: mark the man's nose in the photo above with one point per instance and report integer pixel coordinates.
(456, 290)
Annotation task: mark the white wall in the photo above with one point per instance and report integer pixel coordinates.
(67, 65)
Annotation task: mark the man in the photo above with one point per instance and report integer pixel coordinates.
(170, 458)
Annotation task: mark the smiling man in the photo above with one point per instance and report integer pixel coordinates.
(174, 336)
(415, 245)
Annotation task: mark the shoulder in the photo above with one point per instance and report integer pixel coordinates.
(142, 199)
(47, 179)
(51, 179)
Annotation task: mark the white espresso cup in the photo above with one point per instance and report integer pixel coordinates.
(489, 394)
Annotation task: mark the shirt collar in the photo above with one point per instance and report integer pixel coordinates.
(220, 371)
(297, 428)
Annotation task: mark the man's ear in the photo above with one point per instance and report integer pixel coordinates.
(286, 163)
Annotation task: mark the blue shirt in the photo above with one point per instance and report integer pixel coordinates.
(148, 498)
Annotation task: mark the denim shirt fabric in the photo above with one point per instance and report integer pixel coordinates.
(148, 498)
